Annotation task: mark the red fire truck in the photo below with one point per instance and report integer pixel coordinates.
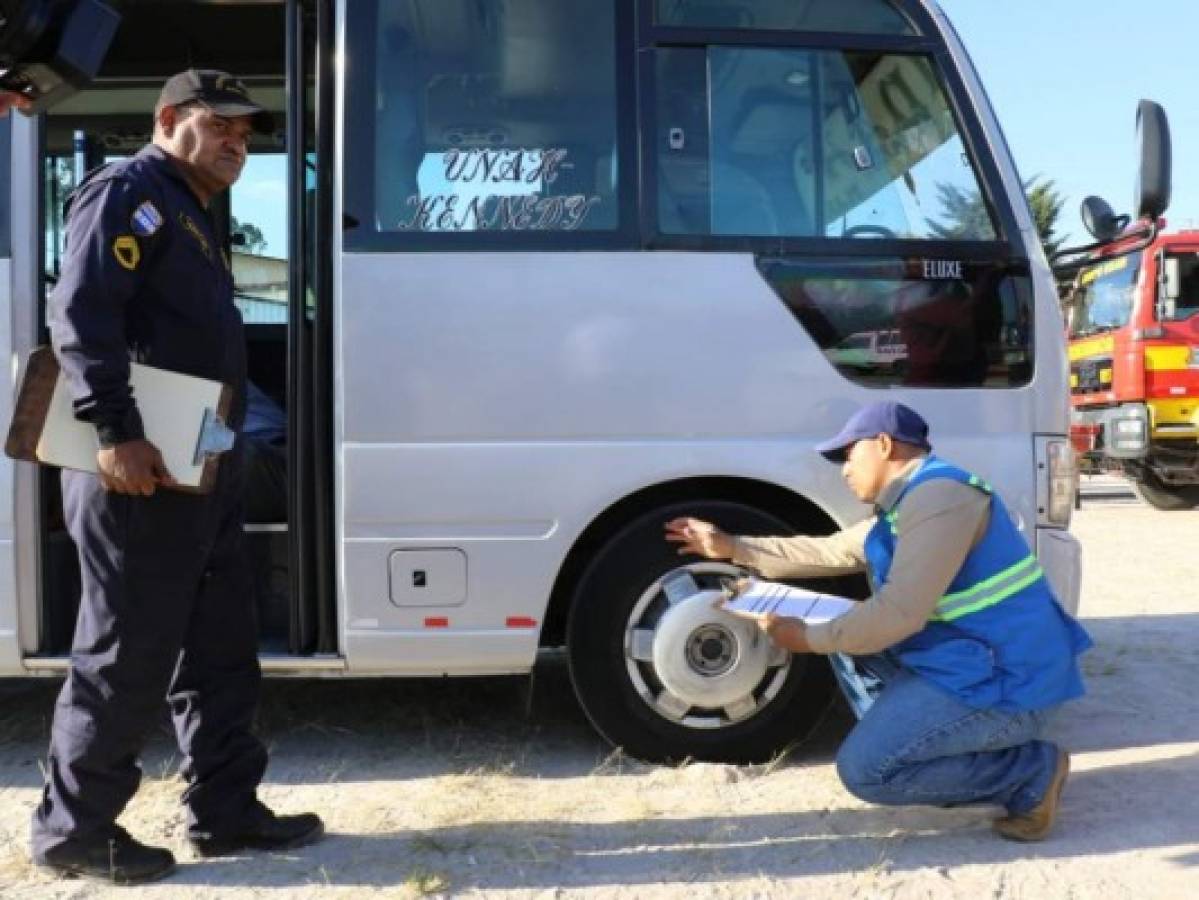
(1133, 322)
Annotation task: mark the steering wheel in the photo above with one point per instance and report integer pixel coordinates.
(880, 231)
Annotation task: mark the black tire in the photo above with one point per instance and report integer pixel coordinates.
(1167, 497)
(607, 594)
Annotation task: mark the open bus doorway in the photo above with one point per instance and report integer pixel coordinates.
(270, 46)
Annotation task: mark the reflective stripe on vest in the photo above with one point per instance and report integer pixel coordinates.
(987, 593)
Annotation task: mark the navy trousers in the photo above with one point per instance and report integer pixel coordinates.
(167, 613)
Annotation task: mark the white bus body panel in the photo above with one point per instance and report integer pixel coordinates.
(10, 653)
(498, 403)
(19, 283)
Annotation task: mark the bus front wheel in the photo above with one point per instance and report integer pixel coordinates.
(665, 676)
(1168, 497)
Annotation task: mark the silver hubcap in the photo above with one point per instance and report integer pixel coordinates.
(696, 665)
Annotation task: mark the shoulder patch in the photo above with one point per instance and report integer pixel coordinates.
(127, 252)
(146, 219)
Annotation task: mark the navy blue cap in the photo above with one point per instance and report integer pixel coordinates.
(219, 91)
(901, 422)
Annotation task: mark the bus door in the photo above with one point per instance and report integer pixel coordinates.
(268, 223)
(9, 644)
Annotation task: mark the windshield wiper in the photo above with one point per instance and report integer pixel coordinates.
(1094, 330)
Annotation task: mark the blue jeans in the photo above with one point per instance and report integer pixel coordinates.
(916, 743)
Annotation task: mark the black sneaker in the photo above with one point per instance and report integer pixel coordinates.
(262, 831)
(119, 859)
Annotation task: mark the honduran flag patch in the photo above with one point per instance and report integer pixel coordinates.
(146, 219)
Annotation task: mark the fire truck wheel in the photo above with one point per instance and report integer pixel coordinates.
(1168, 497)
(665, 676)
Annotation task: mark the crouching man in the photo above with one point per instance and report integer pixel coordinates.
(967, 648)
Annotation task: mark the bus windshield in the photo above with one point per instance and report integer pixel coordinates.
(1105, 296)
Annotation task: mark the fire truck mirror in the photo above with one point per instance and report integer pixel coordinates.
(1100, 221)
(1154, 177)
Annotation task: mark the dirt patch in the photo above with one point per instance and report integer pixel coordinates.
(483, 788)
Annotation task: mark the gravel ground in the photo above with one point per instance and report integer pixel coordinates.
(485, 788)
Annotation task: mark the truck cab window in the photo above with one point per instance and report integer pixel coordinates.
(1187, 303)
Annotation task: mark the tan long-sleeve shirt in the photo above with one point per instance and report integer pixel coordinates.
(940, 522)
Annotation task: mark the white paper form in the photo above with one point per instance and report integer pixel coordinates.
(761, 598)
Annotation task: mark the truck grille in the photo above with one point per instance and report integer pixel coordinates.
(1086, 378)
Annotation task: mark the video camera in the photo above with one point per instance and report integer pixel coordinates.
(51, 48)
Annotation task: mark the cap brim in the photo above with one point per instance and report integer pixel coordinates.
(261, 120)
(836, 450)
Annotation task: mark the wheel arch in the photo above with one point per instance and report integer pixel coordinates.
(798, 511)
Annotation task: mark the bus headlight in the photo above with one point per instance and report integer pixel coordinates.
(1062, 482)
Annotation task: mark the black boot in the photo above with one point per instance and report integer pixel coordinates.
(118, 859)
(262, 830)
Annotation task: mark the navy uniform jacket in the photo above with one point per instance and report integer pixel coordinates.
(144, 278)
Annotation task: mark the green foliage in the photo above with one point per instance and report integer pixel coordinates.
(1046, 202)
(964, 214)
(253, 239)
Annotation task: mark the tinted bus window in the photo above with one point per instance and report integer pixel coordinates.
(914, 323)
(849, 16)
(802, 143)
(497, 117)
(1187, 304)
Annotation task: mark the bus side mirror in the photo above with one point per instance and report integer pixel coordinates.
(1100, 221)
(1154, 176)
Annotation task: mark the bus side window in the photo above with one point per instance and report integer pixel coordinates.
(798, 143)
(863, 16)
(485, 117)
(732, 122)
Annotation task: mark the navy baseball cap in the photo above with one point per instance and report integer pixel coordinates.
(219, 91)
(901, 422)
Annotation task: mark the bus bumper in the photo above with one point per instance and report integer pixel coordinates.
(1060, 555)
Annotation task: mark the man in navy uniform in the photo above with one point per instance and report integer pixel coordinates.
(167, 609)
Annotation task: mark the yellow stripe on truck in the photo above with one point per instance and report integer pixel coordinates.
(1166, 359)
(1174, 412)
(1092, 347)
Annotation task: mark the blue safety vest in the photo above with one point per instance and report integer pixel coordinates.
(998, 637)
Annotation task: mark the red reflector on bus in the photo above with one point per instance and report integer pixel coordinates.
(521, 622)
(437, 622)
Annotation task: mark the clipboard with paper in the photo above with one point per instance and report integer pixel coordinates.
(182, 415)
(755, 599)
